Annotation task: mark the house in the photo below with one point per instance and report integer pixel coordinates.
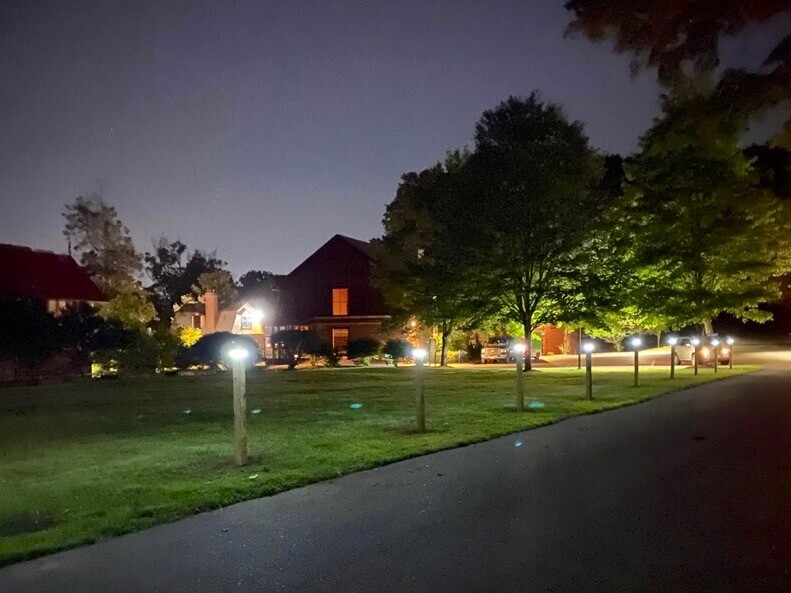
(331, 294)
(52, 278)
(243, 318)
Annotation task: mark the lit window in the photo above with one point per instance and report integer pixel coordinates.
(340, 340)
(246, 322)
(340, 301)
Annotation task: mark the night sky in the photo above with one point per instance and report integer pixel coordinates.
(260, 129)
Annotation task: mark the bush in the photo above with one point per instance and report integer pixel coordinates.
(363, 348)
(293, 344)
(397, 349)
(211, 349)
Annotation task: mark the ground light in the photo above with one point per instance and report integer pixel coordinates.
(420, 396)
(715, 343)
(636, 343)
(588, 347)
(519, 353)
(696, 343)
(672, 340)
(730, 342)
(238, 357)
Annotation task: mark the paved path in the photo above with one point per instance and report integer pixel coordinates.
(690, 492)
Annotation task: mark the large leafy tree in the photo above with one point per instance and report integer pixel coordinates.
(220, 282)
(103, 243)
(527, 196)
(683, 37)
(714, 239)
(174, 271)
(413, 270)
(106, 251)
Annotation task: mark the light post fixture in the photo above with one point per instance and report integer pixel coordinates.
(238, 356)
(588, 347)
(730, 341)
(715, 346)
(636, 343)
(519, 353)
(420, 397)
(695, 343)
(672, 340)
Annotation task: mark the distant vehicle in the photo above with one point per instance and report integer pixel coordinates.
(501, 350)
(497, 352)
(685, 350)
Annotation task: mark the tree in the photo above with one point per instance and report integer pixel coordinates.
(412, 272)
(674, 36)
(173, 272)
(131, 308)
(715, 239)
(220, 282)
(103, 243)
(527, 195)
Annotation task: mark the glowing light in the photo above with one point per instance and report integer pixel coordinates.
(730, 341)
(695, 342)
(636, 342)
(589, 346)
(520, 348)
(672, 340)
(256, 315)
(419, 353)
(715, 342)
(238, 353)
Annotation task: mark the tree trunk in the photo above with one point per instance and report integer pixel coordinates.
(708, 327)
(527, 323)
(443, 356)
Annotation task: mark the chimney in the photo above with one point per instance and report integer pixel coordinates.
(212, 311)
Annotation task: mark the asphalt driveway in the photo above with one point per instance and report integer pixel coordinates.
(689, 492)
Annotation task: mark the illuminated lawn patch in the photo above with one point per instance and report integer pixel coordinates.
(91, 459)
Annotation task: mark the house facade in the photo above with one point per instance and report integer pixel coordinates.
(243, 318)
(331, 293)
(52, 278)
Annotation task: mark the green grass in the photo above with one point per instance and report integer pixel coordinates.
(85, 460)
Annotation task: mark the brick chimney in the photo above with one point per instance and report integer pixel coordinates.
(212, 312)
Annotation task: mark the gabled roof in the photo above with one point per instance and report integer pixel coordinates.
(33, 274)
(363, 247)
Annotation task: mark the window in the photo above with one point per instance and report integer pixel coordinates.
(246, 322)
(340, 301)
(340, 340)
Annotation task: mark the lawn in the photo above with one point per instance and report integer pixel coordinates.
(86, 460)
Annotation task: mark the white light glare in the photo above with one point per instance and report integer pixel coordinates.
(636, 342)
(672, 340)
(695, 342)
(730, 341)
(419, 353)
(238, 353)
(589, 346)
(520, 348)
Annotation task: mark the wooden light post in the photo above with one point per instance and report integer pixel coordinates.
(696, 343)
(519, 353)
(238, 356)
(636, 342)
(672, 340)
(588, 347)
(579, 348)
(420, 396)
(715, 344)
(730, 342)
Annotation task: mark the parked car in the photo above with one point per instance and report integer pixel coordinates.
(685, 350)
(501, 349)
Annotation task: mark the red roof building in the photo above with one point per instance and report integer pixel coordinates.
(54, 278)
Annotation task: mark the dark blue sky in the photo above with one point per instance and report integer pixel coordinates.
(261, 129)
